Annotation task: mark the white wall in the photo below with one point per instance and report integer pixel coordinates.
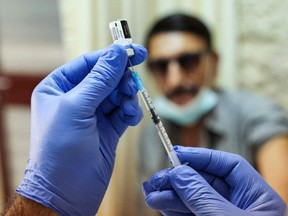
(263, 54)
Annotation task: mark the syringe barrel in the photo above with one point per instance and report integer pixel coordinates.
(121, 35)
(156, 120)
(167, 144)
(164, 137)
(174, 158)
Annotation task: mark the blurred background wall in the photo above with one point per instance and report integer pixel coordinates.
(30, 47)
(262, 40)
(38, 35)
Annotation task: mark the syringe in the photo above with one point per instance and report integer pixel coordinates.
(121, 35)
(156, 119)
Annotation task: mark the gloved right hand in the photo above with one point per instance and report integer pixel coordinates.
(79, 112)
(213, 183)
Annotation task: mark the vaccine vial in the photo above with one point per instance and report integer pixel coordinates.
(121, 34)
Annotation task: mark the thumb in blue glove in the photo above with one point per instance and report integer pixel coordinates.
(79, 112)
(213, 183)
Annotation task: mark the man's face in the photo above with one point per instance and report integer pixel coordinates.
(178, 62)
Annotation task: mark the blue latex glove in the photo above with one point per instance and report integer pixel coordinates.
(79, 112)
(213, 183)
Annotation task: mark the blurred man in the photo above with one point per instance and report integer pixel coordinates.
(183, 64)
(76, 123)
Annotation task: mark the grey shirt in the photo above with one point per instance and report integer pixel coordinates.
(240, 123)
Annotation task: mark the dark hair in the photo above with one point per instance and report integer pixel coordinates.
(182, 23)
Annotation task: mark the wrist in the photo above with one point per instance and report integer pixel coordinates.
(60, 199)
(27, 207)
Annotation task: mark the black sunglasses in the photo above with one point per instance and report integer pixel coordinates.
(187, 61)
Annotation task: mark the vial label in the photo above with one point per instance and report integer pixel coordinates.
(120, 32)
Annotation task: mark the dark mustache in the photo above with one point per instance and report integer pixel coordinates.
(182, 89)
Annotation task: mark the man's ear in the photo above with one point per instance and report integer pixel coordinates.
(214, 64)
(212, 68)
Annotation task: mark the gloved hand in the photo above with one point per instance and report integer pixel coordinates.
(213, 183)
(79, 112)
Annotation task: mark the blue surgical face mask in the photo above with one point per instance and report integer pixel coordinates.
(189, 113)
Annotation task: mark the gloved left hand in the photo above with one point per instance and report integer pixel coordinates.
(213, 183)
(79, 112)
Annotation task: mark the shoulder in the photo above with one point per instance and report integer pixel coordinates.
(243, 96)
(249, 103)
(259, 117)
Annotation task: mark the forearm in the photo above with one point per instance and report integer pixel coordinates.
(26, 207)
